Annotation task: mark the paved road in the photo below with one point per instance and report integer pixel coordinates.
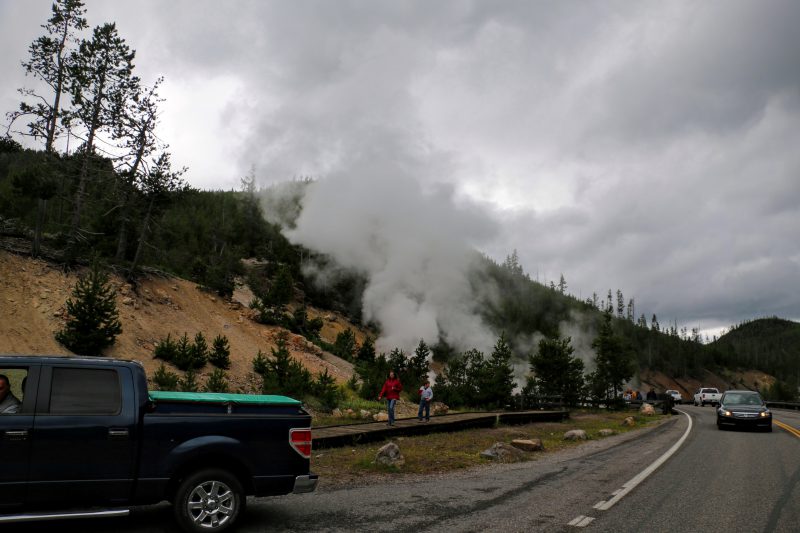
(720, 481)
(717, 481)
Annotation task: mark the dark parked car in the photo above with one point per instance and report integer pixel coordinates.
(743, 408)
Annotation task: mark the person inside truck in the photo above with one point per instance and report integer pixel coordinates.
(9, 404)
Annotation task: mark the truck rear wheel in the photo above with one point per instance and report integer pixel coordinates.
(209, 500)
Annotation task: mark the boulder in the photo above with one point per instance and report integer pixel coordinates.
(647, 409)
(390, 455)
(337, 413)
(439, 408)
(629, 422)
(383, 416)
(365, 414)
(528, 445)
(575, 434)
(500, 451)
(606, 432)
(127, 300)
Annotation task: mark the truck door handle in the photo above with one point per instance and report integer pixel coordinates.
(21, 434)
(117, 434)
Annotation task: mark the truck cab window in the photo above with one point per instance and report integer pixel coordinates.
(85, 391)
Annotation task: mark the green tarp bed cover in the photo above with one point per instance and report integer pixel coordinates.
(216, 397)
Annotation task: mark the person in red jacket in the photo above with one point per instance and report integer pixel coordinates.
(391, 391)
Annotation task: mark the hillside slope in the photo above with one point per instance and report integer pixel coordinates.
(32, 310)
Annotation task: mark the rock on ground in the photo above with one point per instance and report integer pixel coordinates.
(500, 451)
(383, 416)
(575, 434)
(647, 409)
(629, 422)
(439, 408)
(606, 432)
(390, 455)
(528, 445)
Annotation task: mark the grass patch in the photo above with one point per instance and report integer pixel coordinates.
(445, 452)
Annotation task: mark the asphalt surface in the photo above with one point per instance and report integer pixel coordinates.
(716, 481)
(720, 481)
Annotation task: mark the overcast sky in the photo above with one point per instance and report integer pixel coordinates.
(652, 147)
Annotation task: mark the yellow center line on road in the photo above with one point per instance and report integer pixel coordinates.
(787, 427)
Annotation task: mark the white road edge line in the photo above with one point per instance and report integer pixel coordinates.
(574, 521)
(641, 476)
(581, 521)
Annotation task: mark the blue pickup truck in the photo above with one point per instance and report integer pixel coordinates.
(86, 438)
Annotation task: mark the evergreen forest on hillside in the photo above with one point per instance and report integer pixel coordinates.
(101, 184)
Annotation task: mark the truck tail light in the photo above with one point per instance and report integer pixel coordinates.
(300, 440)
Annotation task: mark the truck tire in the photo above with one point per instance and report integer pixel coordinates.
(209, 500)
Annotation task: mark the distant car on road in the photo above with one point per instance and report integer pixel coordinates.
(743, 408)
(676, 396)
(707, 395)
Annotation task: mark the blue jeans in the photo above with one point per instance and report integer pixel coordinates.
(424, 405)
(391, 410)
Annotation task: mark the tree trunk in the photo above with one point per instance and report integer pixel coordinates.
(41, 208)
(84, 174)
(142, 237)
(122, 239)
(51, 124)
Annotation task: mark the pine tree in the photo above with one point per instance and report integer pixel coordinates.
(562, 284)
(367, 351)
(326, 390)
(260, 363)
(183, 353)
(159, 181)
(280, 292)
(217, 381)
(555, 371)
(93, 323)
(189, 382)
(417, 369)
(613, 362)
(620, 304)
(498, 384)
(50, 57)
(164, 379)
(654, 323)
(101, 81)
(136, 129)
(345, 344)
(220, 353)
(166, 349)
(199, 351)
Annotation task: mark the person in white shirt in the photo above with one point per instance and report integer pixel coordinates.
(425, 397)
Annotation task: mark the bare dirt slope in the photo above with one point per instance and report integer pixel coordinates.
(33, 294)
(751, 379)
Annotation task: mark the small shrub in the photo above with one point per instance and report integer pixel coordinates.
(189, 381)
(164, 379)
(324, 388)
(183, 357)
(260, 363)
(220, 353)
(166, 349)
(217, 381)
